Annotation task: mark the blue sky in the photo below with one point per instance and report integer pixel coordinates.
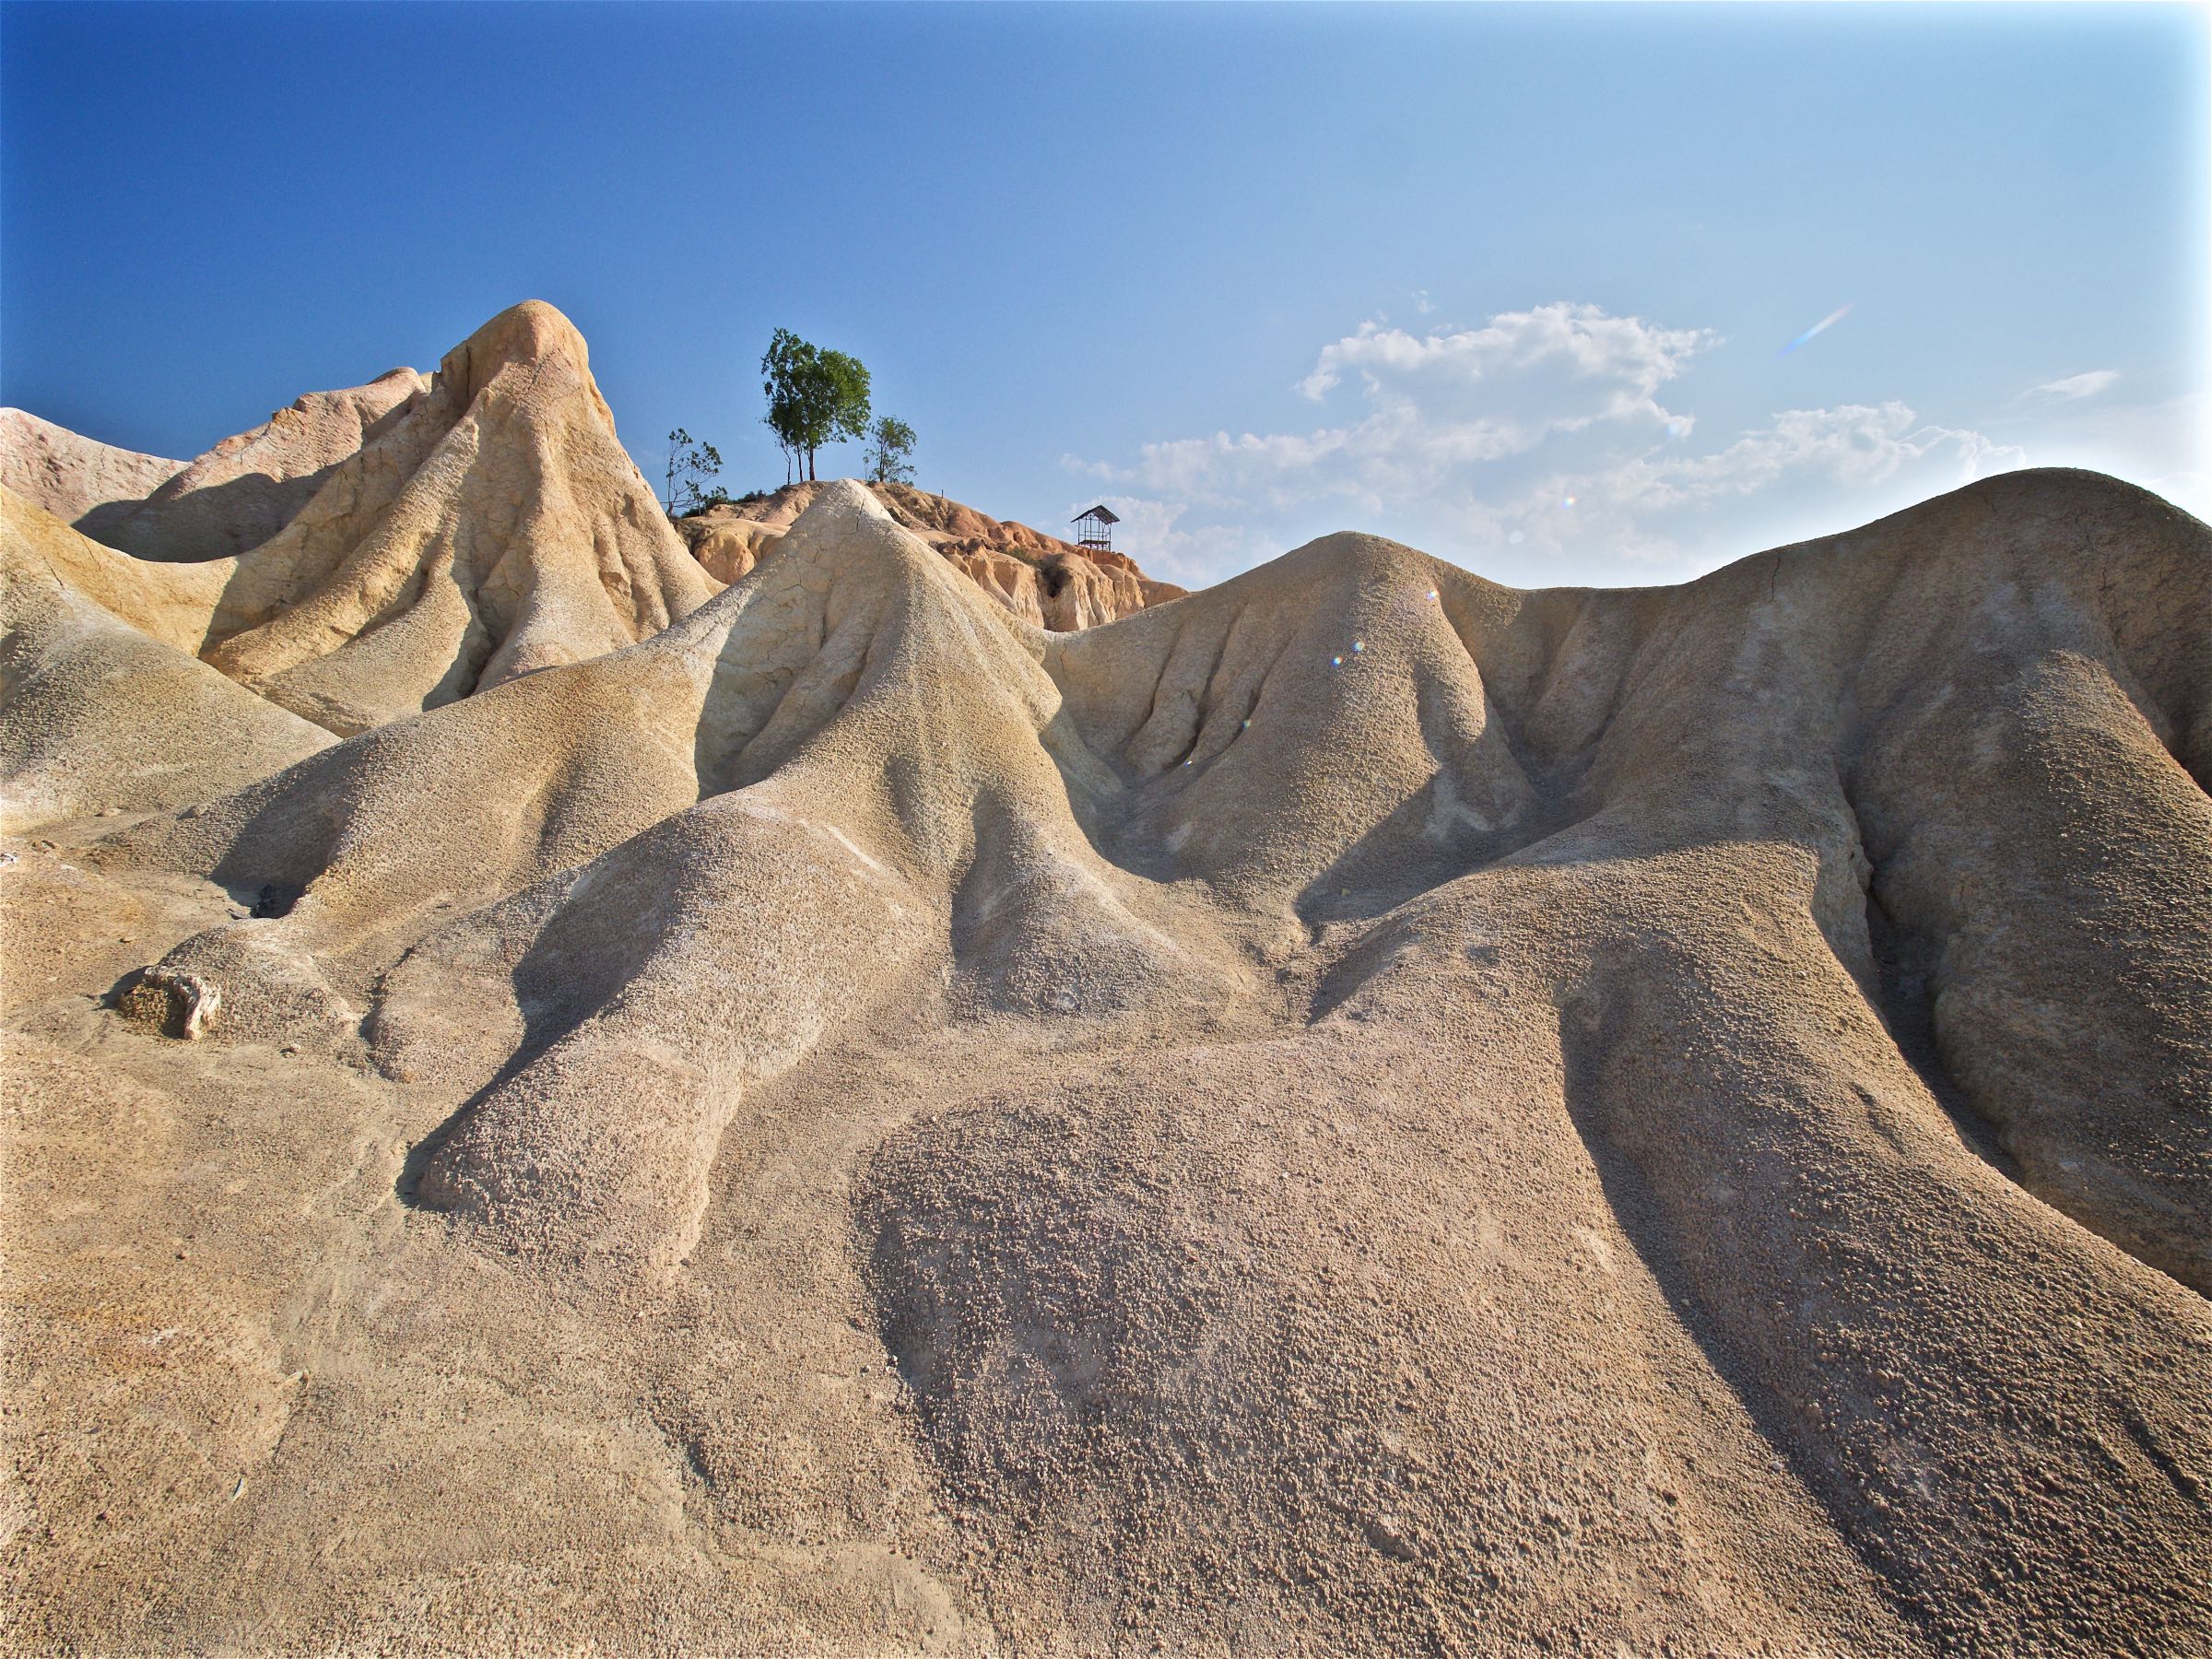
(1513, 284)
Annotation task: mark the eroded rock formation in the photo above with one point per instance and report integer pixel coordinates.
(248, 487)
(1360, 1110)
(427, 540)
(1041, 579)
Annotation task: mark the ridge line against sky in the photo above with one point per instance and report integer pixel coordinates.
(1566, 294)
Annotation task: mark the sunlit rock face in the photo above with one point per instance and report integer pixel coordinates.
(71, 476)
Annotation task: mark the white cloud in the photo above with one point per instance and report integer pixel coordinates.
(1811, 465)
(1150, 532)
(1431, 405)
(1854, 444)
(1420, 301)
(2074, 386)
(1560, 345)
(1535, 440)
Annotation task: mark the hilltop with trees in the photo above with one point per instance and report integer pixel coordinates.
(817, 396)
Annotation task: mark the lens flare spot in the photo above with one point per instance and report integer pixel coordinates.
(1822, 326)
(1358, 644)
(1336, 662)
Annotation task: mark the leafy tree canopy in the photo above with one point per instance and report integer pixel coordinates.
(814, 396)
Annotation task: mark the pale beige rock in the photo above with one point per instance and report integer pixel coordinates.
(727, 544)
(1078, 592)
(248, 487)
(183, 1005)
(492, 526)
(1012, 581)
(69, 476)
(102, 705)
(1159, 593)
(496, 528)
(234, 497)
(1062, 592)
(174, 604)
(1357, 1110)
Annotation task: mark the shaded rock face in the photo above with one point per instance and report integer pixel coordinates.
(1362, 1110)
(249, 486)
(1041, 579)
(104, 704)
(235, 497)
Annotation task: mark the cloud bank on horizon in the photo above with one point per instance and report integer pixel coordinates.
(1564, 433)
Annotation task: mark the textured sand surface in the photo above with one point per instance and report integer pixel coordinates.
(1357, 1111)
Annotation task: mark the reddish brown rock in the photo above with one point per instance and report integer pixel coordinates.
(726, 543)
(1039, 578)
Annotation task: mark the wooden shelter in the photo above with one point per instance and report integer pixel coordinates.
(1095, 529)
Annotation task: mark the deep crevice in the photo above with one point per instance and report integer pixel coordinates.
(1905, 975)
(1905, 965)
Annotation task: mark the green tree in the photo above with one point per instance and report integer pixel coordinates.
(690, 465)
(891, 460)
(814, 396)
